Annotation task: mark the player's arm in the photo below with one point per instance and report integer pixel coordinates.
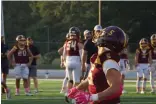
(64, 55)
(10, 54)
(80, 45)
(136, 57)
(114, 80)
(30, 56)
(84, 56)
(60, 51)
(83, 85)
(150, 58)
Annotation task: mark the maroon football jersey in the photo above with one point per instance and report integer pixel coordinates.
(153, 51)
(97, 79)
(143, 55)
(72, 48)
(21, 56)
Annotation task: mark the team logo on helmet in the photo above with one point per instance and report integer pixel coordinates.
(113, 38)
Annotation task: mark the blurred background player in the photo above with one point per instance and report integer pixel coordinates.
(62, 65)
(153, 66)
(104, 79)
(4, 68)
(143, 63)
(96, 32)
(124, 65)
(89, 49)
(33, 68)
(72, 57)
(22, 59)
(4, 61)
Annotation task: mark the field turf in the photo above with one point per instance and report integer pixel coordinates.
(50, 94)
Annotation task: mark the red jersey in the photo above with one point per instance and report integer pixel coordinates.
(97, 79)
(143, 55)
(71, 48)
(21, 56)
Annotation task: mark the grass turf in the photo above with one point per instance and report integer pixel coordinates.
(49, 94)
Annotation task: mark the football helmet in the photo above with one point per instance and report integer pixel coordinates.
(96, 32)
(21, 40)
(113, 38)
(74, 31)
(153, 40)
(87, 34)
(20, 37)
(143, 43)
(67, 36)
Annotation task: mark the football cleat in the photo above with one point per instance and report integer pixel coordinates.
(28, 94)
(142, 92)
(124, 92)
(17, 93)
(8, 94)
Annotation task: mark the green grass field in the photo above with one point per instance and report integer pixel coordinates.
(49, 94)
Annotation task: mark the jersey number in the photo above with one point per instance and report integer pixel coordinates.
(71, 45)
(22, 53)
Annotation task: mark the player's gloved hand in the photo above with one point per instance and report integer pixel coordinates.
(85, 97)
(72, 92)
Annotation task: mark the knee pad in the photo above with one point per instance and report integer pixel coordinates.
(71, 81)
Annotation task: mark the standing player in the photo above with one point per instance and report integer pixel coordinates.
(65, 80)
(88, 50)
(104, 80)
(143, 63)
(4, 68)
(72, 56)
(4, 61)
(153, 66)
(33, 67)
(124, 65)
(23, 59)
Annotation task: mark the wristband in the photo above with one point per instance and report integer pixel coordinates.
(94, 97)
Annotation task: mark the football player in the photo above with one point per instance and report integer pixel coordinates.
(62, 65)
(22, 59)
(72, 57)
(104, 80)
(153, 66)
(143, 63)
(4, 61)
(124, 65)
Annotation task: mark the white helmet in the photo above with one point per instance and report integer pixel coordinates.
(98, 27)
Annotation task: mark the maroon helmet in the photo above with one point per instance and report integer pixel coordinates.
(114, 38)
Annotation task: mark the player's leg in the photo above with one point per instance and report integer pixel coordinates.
(77, 74)
(87, 72)
(33, 74)
(139, 77)
(7, 90)
(152, 77)
(64, 83)
(24, 74)
(145, 76)
(18, 77)
(5, 71)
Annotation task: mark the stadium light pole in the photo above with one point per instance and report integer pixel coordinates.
(99, 12)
